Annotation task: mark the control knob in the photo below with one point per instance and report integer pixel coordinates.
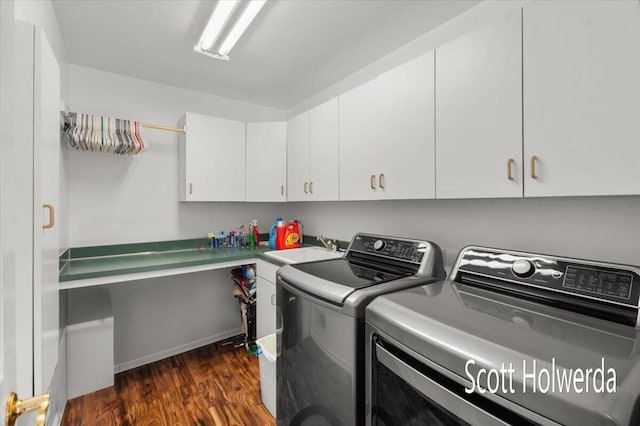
(523, 268)
(379, 245)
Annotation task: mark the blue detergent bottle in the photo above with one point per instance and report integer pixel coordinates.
(273, 232)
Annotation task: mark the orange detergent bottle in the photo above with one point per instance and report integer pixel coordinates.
(291, 236)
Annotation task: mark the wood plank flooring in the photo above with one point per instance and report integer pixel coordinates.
(213, 385)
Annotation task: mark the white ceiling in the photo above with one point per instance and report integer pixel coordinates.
(293, 49)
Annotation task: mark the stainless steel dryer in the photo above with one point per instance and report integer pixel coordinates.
(320, 305)
(511, 338)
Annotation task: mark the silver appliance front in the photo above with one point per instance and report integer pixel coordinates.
(425, 345)
(316, 369)
(320, 305)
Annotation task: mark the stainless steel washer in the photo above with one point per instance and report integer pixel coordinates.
(320, 305)
(554, 321)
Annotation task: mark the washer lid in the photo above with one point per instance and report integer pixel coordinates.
(349, 273)
(336, 279)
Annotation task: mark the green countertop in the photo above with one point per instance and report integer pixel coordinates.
(103, 261)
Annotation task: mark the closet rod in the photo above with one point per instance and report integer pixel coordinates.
(159, 127)
(147, 125)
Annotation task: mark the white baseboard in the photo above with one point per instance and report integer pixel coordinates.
(128, 365)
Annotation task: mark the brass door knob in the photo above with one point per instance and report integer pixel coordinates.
(16, 408)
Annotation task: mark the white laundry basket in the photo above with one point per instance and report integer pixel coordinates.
(267, 360)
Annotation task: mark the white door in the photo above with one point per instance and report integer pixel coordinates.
(46, 240)
(582, 97)
(324, 151)
(406, 154)
(298, 157)
(8, 362)
(479, 113)
(266, 165)
(359, 142)
(29, 174)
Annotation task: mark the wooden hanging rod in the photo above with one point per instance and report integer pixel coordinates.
(150, 125)
(159, 127)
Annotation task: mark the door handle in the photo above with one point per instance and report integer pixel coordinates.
(190, 188)
(52, 216)
(273, 299)
(510, 162)
(381, 180)
(306, 185)
(17, 407)
(533, 167)
(373, 182)
(281, 189)
(310, 187)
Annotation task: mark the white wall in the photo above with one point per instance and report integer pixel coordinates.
(118, 199)
(155, 316)
(599, 228)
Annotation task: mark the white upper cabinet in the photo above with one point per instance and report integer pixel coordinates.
(312, 154)
(298, 157)
(406, 131)
(211, 159)
(479, 113)
(582, 98)
(324, 139)
(266, 161)
(387, 135)
(359, 142)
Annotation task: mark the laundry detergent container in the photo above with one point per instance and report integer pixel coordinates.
(267, 360)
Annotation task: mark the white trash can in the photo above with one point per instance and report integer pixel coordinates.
(267, 360)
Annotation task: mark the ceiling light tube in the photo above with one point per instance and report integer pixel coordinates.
(241, 25)
(217, 22)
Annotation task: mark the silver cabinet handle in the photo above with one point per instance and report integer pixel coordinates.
(281, 189)
(306, 185)
(373, 182)
(381, 180)
(310, 187)
(273, 299)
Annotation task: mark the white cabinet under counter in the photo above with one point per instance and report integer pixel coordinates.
(211, 159)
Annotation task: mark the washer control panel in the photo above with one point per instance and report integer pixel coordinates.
(395, 248)
(606, 282)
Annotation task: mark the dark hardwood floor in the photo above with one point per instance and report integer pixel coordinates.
(213, 385)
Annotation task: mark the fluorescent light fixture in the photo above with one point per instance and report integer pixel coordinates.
(221, 17)
(216, 23)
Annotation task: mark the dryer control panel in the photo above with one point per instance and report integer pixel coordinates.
(561, 278)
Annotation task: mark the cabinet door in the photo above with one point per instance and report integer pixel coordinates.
(582, 97)
(479, 112)
(324, 149)
(298, 157)
(215, 159)
(359, 142)
(406, 163)
(266, 161)
(46, 237)
(265, 308)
